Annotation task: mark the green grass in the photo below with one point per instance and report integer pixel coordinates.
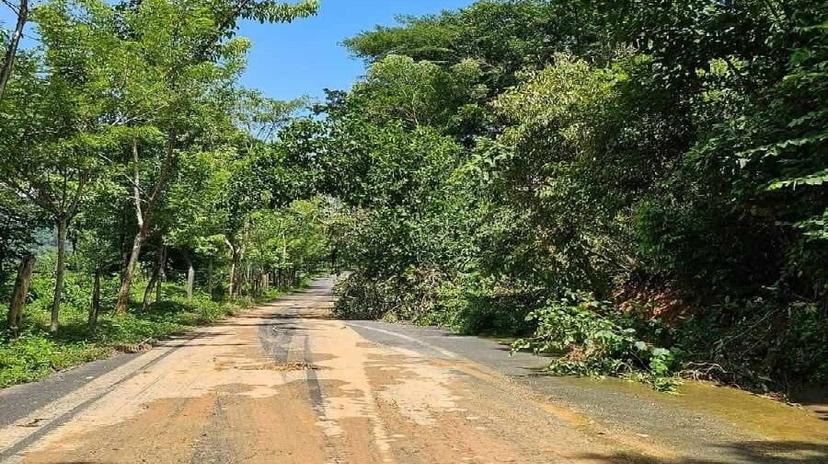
(36, 353)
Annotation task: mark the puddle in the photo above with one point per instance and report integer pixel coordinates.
(769, 418)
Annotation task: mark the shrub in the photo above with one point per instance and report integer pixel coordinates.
(589, 337)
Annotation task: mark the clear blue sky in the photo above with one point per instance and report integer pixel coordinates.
(302, 58)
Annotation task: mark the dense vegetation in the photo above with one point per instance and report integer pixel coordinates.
(143, 190)
(637, 187)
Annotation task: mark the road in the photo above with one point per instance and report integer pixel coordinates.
(286, 383)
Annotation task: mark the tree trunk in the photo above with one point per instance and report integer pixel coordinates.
(14, 41)
(210, 277)
(235, 263)
(145, 303)
(247, 279)
(60, 268)
(21, 290)
(95, 307)
(239, 286)
(232, 283)
(162, 272)
(190, 276)
(122, 303)
(123, 239)
(143, 215)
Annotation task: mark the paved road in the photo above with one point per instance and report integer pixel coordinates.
(287, 384)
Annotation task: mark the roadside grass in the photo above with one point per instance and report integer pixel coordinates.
(36, 353)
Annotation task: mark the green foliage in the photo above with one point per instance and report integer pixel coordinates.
(34, 356)
(645, 160)
(770, 336)
(471, 304)
(591, 338)
(505, 37)
(421, 93)
(637, 187)
(18, 224)
(293, 237)
(366, 298)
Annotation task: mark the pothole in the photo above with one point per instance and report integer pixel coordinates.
(273, 366)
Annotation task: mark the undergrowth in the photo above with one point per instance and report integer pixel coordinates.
(758, 345)
(589, 338)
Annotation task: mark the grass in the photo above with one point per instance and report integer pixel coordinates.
(36, 354)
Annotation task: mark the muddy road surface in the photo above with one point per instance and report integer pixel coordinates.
(286, 383)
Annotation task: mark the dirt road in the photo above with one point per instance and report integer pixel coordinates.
(287, 384)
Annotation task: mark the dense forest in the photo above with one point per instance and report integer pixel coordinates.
(636, 187)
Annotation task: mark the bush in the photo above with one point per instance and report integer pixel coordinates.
(589, 337)
(474, 305)
(426, 296)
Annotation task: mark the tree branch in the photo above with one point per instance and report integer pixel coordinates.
(11, 49)
(136, 183)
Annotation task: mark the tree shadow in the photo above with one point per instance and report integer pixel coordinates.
(813, 397)
(760, 452)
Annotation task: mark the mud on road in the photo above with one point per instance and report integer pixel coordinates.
(287, 384)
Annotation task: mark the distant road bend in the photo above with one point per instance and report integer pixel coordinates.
(285, 383)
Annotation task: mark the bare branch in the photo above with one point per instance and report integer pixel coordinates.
(11, 6)
(11, 49)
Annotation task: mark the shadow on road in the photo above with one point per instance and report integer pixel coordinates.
(760, 452)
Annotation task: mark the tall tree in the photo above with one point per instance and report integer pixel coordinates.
(53, 151)
(189, 69)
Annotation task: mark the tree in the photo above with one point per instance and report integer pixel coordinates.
(632, 161)
(261, 117)
(504, 38)
(194, 206)
(188, 69)
(53, 150)
(98, 229)
(419, 93)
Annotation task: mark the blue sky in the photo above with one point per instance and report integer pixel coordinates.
(302, 58)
